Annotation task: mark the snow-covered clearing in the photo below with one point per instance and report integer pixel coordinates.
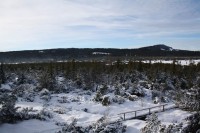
(81, 106)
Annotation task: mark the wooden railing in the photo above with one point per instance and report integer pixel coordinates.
(149, 111)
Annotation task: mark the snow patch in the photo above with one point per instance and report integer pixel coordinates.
(100, 53)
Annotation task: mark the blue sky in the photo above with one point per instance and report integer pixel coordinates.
(44, 24)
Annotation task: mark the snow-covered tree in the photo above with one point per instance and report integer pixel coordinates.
(8, 109)
(193, 123)
(189, 99)
(47, 80)
(106, 100)
(98, 96)
(153, 124)
(172, 128)
(98, 127)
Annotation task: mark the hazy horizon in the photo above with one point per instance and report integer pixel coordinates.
(47, 24)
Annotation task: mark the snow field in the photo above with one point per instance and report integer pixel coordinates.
(74, 108)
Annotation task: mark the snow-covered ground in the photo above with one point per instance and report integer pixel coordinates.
(134, 126)
(29, 126)
(173, 116)
(80, 105)
(181, 62)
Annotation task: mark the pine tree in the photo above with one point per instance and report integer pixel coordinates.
(2, 74)
(47, 78)
(21, 79)
(8, 109)
(153, 124)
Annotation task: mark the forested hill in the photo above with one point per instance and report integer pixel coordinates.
(96, 53)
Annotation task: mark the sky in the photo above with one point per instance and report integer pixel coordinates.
(45, 24)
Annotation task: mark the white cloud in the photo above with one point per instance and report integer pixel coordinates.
(24, 22)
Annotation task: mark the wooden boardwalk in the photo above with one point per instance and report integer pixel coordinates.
(143, 112)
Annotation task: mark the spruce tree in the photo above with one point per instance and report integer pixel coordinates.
(2, 74)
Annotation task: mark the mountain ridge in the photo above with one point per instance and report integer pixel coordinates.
(158, 47)
(63, 54)
(153, 47)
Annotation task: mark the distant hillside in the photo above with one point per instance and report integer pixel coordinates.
(96, 53)
(158, 47)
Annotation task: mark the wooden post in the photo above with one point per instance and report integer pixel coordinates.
(163, 108)
(149, 111)
(124, 116)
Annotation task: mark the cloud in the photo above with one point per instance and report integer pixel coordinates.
(64, 23)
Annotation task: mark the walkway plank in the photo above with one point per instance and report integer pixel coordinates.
(149, 111)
